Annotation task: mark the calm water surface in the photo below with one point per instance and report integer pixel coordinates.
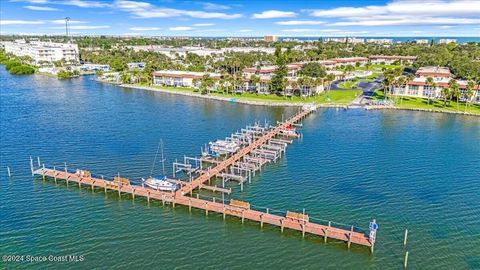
(406, 169)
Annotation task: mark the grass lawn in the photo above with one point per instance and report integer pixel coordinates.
(337, 97)
(348, 84)
(422, 103)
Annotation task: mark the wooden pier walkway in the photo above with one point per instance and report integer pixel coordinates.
(291, 220)
(298, 223)
(212, 172)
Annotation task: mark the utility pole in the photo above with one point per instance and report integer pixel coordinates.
(67, 19)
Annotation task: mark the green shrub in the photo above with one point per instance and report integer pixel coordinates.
(21, 70)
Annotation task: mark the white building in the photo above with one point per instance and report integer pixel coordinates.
(380, 40)
(390, 59)
(182, 78)
(41, 51)
(421, 41)
(447, 40)
(441, 77)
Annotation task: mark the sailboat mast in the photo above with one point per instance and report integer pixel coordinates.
(163, 159)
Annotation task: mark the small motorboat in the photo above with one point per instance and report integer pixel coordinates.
(160, 184)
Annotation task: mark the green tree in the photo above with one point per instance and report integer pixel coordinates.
(431, 85)
(454, 90)
(206, 84)
(469, 93)
(277, 83)
(314, 70)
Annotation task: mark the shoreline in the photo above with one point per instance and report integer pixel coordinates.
(370, 108)
(281, 104)
(227, 99)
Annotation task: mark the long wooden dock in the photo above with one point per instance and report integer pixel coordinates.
(240, 154)
(291, 220)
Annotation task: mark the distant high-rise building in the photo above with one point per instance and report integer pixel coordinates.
(270, 38)
(421, 41)
(447, 40)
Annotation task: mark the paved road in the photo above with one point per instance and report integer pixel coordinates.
(368, 89)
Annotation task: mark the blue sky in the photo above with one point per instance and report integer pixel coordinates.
(243, 18)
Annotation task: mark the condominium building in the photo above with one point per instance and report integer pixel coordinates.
(270, 38)
(390, 59)
(350, 61)
(380, 40)
(182, 78)
(441, 76)
(41, 51)
(447, 40)
(421, 41)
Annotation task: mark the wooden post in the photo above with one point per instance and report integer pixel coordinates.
(93, 184)
(241, 185)
(8, 171)
(405, 238)
(350, 237)
(133, 193)
(173, 201)
(281, 224)
(303, 230)
(206, 208)
(79, 182)
(119, 193)
(224, 214)
(243, 218)
(66, 172)
(43, 172)
(54, 174)
(189, 205)
(31, 165)
(38, 159)
(163, 200)
(261, 221)
(325, 237)
(406, 259)
(148, 196)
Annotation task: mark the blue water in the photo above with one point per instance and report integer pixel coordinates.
(406, 169)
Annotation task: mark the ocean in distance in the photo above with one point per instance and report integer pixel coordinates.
(406, 169)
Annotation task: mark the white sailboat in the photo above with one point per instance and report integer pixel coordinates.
(160, 182)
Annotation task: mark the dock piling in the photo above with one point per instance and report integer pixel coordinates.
(38, 159)
(31, 166)
(406, 260)
(55, 174)
(43, 172)
(8, 172)
(405, 238)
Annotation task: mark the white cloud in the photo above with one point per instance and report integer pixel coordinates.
(272, 14)
(147, 10)
(19, 22)
(213, 6)
(63, 22)
(299, 30)
(408, 21)
(144, 28)
(82, 27)
(31, 1)
(405, 12)
(39, 8)
(405, 7)
(84, 4)
(446, 26)
(300, 22)
(245, 30)
(181, 28)
(203, 24)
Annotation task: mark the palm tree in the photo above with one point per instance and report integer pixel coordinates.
(455, 90)
(206, 83)
(255, 80)
(329, 79)
(445, 95)
(431, 84)
(349, 69)
(469, 93)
